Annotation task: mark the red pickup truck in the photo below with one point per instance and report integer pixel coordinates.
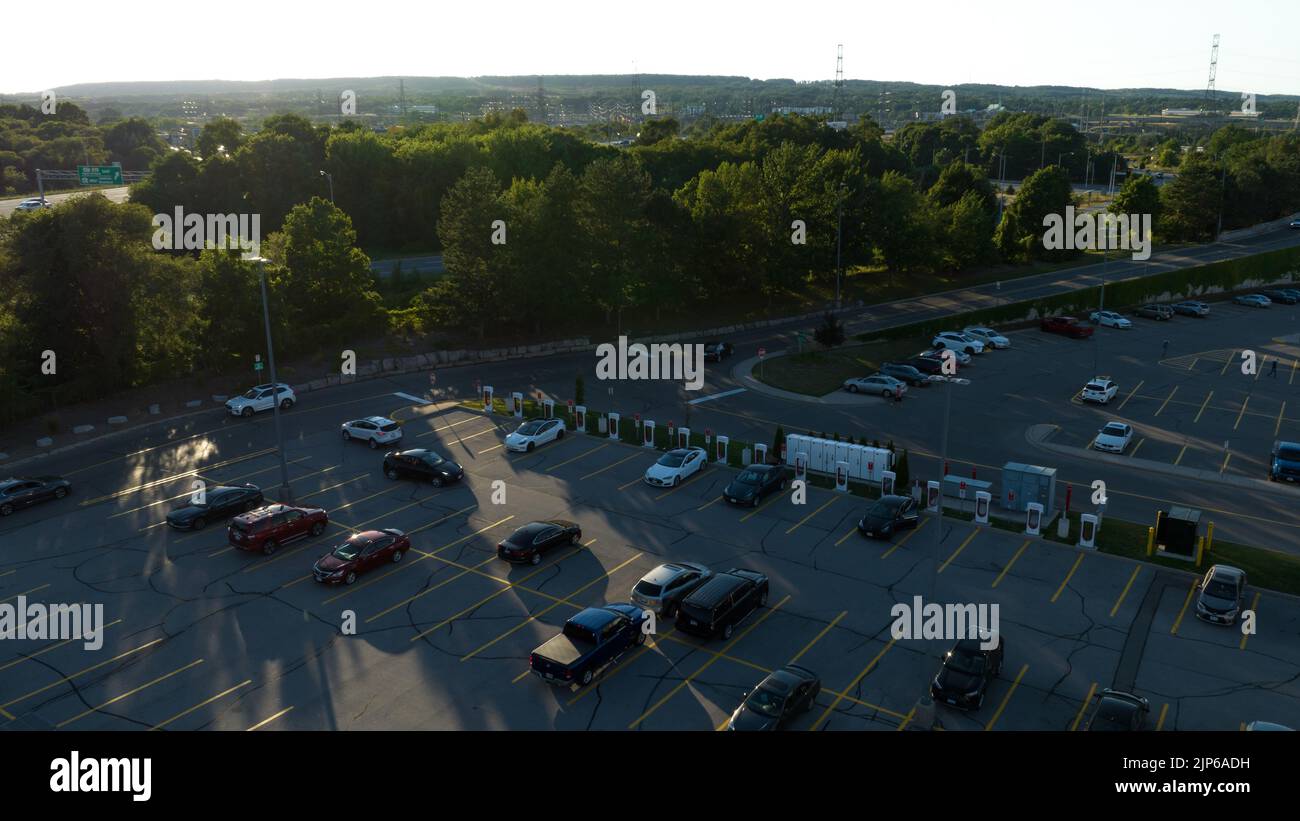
(1066, 326)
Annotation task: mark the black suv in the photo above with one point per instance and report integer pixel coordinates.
(967, 670)
(718, 605)
(908, 373)
(717, 351)
(422, 464)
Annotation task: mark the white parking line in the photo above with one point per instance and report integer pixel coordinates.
(713, 396)
(417, 399)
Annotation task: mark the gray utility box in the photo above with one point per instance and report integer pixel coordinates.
(1179, 528)
(1022, 484)
(952, 487)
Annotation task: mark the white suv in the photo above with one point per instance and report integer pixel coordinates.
(1101, 389)
(957, 341)
(261, 398)
(377, 430)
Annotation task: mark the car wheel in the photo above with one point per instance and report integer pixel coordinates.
(536, 558)
(762, 601)
(60, 492)
(640, 638)
(391, 473)
(270, 547)
(437, 481)
(782, 484)
(677, 480)
(559, 436)
(318, 528)
(727, 630)
(853, 388)
(351, 577)
(586, 677)
(888, 393)
(754, 501)
(246, 412)
(670, 610)
(347, 437)
(575, 538)
(373, 444)
(970, 351)
(530, 447)
(5, 510)
(285, 404)
(200, 523)
(397, 556)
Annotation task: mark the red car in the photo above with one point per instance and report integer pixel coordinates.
(266, 528)
(1066, 326)
(361, 552)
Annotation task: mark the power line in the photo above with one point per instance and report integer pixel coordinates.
(1214, 65)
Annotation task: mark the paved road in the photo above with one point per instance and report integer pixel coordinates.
(115, 194)
(424, 264)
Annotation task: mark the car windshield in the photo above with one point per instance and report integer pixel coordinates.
(884, 508)
(388, 428)
(1113, 430)
(672, 460)
(350, 549)
(1220, 589)
(964, 663)
(749, 477)
(252, 394)
(766, 702)
(530, 428)
(646, 588)
(1289, 453)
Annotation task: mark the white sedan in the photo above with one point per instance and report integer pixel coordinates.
(962, 357)
(1110, 319)
(1113, 438)
(886, 386)
(990, 337)
(533, 433)
(675, 467)
(1253, 300)
(377, 430)
(32, 204)
(956, 341)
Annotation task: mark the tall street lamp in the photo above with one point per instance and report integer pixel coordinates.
(330, 178)
(286, 492)
(943, 455)
(839, 229)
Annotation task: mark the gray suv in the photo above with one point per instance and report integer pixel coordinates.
(663, 588)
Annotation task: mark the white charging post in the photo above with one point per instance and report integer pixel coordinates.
(982, 501)
(887, 483)
(1033, 518)
(1088, 530)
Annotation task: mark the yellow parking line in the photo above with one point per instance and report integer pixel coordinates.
(24, 593)
(826, 713)
(127, 694)
(1226, 457)
(576, 458)
(680, 485)
(752, 513)
(1294, 362)
(7, 573)
(452, 425)
(241, 477)
(1260, 369)
(446, 581)
(903, 540)
(1136, 388)
(63, 679)
(1124, 593)
(489, 450)
(828, 503)
(1083, 708)
(959, 549)
(852, 530)
(174, 477)
(684, 682)
(45, 650)
(636, 481)
(1068, 576)
(1164, 711)
(202, 704)
(1278, 427)
(1254, 606)
(267, 721)
(1242, 413)
(1208, 396)
(1167, 398)
(607, 467)
(1022, 549)
(717, 498)
(1173, 631)
(1180, 455)
(1228, 362)
(1134, 452)
(651, 644)
(1006, 699)
(908, 720)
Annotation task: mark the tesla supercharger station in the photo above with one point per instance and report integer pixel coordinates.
(982, 501)
(801, 467)
(648, 427)
(721, 448)
(708, 442)
(1033, 518)
(842, 477)
(932, 501)
(517, 404)
(760, 454)
(548, 408)
(887, 483)
(961, 491)
(613, 426)
(1088, 530)
(487, 398)
(671, 437)
(580, 418)
(683, 437)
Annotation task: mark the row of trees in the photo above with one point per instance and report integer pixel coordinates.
(64, 139)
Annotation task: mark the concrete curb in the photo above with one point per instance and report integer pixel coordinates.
(743, 372)
(1038, 436)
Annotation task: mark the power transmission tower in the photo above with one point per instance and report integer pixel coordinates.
(839, 80)
(1214, 65)
(541, 101)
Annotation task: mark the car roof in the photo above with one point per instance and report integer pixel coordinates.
(664, 573)
(715, 588)
(593, 618)
(379, 420)
(1227, 571)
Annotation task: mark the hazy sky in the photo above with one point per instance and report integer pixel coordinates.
(1101, 43)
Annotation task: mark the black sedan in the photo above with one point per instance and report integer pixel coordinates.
(907, 373)
(753, 483)
(717, 351)
(20, 493)
(423, 465)
(889, 515)
(1284, 295)
(222, 502)
(967, 670)
(925, 364)
(1119, 712)
(528, 543)
(786, 693)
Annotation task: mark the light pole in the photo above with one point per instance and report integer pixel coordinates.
(330, 178)
(839, 229)
(286, 492)
(943, 457)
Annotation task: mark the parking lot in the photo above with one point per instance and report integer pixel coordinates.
(204, 636)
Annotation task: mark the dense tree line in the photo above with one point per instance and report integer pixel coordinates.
(64, 139)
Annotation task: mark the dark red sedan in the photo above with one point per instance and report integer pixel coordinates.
(528, 543)
(361, 552)
(267, 528)
(1066, 326)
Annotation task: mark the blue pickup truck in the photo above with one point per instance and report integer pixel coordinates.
(591, 641)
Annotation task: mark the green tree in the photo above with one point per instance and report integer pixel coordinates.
(1190, 202)
(830, 333)
(220, 134)
(653, 131)
(970, 232)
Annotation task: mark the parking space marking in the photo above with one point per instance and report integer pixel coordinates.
(626, 485)
(1278, 427)
(174, 477)
(599, 471)
(651, 644)
(1007, 698)
(1226, 457)
(684, 682)
(333, 486)
(24, 593)
(1254, 606)
(1024, 546)
(680, 485)
(1083, 708)
(1124, 592)
(798, 524)
(1180, 454)
(241, 477)
(852, 530)
(454, 424)
(764, 506)
(1136, 388)
(535, 616)
(1133, 453)
(1068, 576)
(1228, 362)
(576, 458)
(903, 540)
(7, 573)
(45, 650)
(202, 704)
(127, 694)
(1208, 397)
(63, 679)
(1244, 403)
(449, 580)
(836, 703)
(1166, 402)
(267, 721)
(1173, 631)
(1294, 362)
(959, 549)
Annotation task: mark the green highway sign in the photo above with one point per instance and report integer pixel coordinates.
(99, 174)
(257, 366)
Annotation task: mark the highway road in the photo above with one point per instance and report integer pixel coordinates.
(8, 205)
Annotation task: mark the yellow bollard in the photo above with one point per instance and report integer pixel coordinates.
(1209, 537)
(1151, 539)
(1200, 549)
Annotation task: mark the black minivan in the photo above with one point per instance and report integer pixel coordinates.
(718, 605)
